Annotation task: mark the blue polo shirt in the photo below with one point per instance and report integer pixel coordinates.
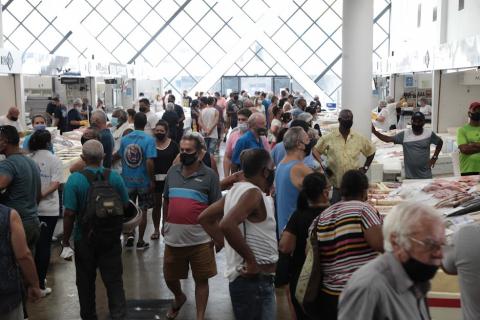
(247, 141)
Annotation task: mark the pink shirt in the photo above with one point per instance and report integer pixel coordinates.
(232, 141)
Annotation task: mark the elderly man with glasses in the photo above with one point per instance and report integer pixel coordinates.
(395, 284)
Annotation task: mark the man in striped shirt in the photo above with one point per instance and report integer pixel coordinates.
(349, 235)
(190, 187)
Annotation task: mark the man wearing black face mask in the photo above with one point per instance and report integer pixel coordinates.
(190, 187)
(416, 147)
(395, 284)
(290, 173)
(468, 141)
(343, 148)
(253, 139)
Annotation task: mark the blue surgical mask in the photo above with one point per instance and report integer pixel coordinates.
(114, 121)
(39, 127)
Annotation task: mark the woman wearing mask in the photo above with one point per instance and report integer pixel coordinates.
(51, 173)
(312, 200)
(167, 151)
(276, 124)
(120, 128)
(349, 235)
(38, 123)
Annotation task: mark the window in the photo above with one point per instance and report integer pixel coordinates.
(461, 4)
(419, 15)
(434, 14)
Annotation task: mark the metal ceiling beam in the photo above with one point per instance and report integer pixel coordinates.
(166, 24)
(69, 33)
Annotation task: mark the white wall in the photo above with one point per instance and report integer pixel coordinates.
(464, 23)
(7, 93)
(454, 101)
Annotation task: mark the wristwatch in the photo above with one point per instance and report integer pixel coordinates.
(435, 158)
(365, 168)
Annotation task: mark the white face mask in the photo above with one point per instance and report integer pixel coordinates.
(243, 127)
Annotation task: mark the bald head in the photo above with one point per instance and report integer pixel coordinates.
(257, 120)
(13, 113)
(92, 152)
(345, 114)
(99, 119)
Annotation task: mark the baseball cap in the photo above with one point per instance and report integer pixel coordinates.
(418, 115)
(473, 106)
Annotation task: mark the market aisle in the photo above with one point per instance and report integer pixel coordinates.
(143, 279)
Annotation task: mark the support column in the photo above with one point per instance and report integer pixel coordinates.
(436, 85)
(20, 95)
(357, 36)
(1, 25)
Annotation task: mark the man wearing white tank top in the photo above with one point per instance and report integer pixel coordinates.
(248, 225)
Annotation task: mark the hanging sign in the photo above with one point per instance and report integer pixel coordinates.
(10, 61)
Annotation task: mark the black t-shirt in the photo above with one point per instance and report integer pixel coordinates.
(61, 114)
(51, 107)
(298, 225)
(74, 115)
(172, 119)
(165, 158)
(180, 114)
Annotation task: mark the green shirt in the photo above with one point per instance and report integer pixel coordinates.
(76, 191)
(469, 162)
(21, 193)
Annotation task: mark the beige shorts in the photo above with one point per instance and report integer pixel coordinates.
(178, 260)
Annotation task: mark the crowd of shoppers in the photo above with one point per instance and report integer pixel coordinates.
(286, 187)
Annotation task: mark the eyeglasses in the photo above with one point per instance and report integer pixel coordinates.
(429, 244)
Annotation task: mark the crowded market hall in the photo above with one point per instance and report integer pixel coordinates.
(240, 159)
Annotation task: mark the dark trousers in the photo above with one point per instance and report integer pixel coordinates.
(470, 174)
(89, 257)
(43, 249)
(325, 307)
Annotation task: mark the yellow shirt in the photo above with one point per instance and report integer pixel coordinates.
(343, 156)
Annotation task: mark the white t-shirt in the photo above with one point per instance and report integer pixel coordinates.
(392, 114)
(152, 120)
(426, 110)
(208, 119)
(51, 170)
(4, 121)
(385, 125)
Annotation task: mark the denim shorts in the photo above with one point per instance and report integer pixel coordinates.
(253, 298)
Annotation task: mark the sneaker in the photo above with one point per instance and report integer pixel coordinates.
(45, 292)
(142, 245)
(130, 241)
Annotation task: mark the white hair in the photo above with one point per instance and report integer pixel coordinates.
(92, 151)
(252, 120)
(292, 137)
(390, 99)
(403, 219)
(77, 101)
(305, 116)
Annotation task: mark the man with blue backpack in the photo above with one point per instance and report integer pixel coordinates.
(94, 201)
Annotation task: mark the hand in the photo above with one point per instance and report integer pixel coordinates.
(432, 162)
(67, 253)
(250, 270)
(34, 294)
